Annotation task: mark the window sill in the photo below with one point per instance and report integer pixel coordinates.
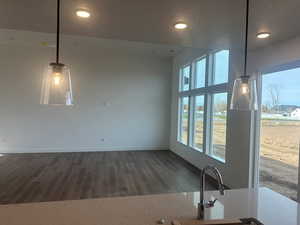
(197, 149)
(217, 158)
(179, 142)
(220, 160)
(210, 156)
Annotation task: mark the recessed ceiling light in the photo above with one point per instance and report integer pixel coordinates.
(180, 26)
(263, 35)
(83, 13)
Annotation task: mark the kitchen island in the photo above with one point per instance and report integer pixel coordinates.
(265, 205)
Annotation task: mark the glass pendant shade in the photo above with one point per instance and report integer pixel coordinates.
(56, 87)
(244, 94)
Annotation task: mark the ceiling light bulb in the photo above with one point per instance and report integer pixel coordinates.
(57, 79)
(180, 26)
(83, 13)
(244, 88)
(263, 35)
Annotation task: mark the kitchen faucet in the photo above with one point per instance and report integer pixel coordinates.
(202, 204)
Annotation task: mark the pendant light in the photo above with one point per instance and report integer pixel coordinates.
(244, 94)
(56, 86)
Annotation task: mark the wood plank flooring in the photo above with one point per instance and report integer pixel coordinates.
(70, 176)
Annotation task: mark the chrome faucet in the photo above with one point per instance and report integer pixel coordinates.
(202, 204)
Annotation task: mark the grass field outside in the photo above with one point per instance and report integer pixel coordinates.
(279, 155)
(279, 149)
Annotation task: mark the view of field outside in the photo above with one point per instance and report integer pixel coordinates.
(186, 78)
(221, 67)
(219, 104)
(200, 73)
(184, 119)
(280, 132)
(219, 125)
(199, 113)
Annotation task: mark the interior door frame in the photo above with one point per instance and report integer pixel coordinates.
(257, 122)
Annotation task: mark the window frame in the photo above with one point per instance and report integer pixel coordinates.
(207, 91)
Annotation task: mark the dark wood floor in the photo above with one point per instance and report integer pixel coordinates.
(66, 176)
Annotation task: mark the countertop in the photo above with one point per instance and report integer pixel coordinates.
(267, 206)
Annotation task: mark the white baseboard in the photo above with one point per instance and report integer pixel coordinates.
(80, 149)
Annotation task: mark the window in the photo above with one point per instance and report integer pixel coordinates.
(186, 78)
(279, 130)
(219, 115)
(203, 104)
(221, 67)
(200, 73)
(184, 118)
(198, 123)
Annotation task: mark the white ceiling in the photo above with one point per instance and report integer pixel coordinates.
(47, 40)
(210, 21)
(279, 17)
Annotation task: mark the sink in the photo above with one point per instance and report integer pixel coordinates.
(217, 222)
(207, 222)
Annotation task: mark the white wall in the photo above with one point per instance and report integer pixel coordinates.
(122, 98)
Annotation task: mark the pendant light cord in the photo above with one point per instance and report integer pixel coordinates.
(57, 31)
(246, 38)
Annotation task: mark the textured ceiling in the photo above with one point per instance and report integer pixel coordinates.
(210, 21)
